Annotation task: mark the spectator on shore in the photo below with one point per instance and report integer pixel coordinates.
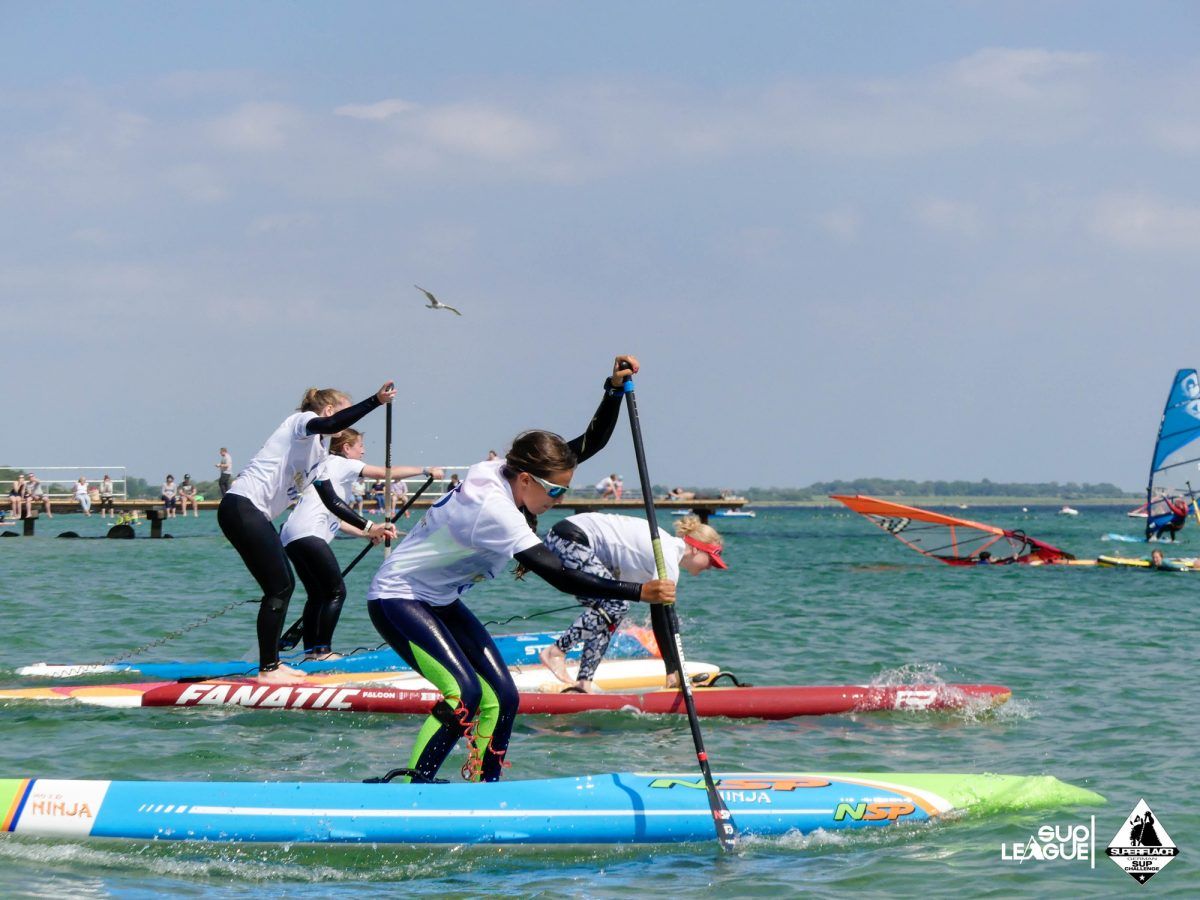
(492, 454)
(83, 495)
(16, 496)
(168, 496)
(454, 481)
(37, 497)
(358, 494)
(399, 492)
(106, 498)
(187, 493)
(377, 494)
(225, 467)
(610, 487)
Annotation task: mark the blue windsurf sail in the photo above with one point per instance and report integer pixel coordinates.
(1169, 492)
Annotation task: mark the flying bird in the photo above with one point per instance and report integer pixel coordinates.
(434, 302)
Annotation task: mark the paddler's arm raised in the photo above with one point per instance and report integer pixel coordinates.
(545, 564)
(600, 429)
(343, 419)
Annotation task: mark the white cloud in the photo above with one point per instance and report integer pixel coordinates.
(279, 222)
(384, 109)
(486, 132)
(952, 216)
(256, 127)
(843, 223)
(1143, 222)
(1019, 73)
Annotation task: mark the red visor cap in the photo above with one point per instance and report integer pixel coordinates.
(713, 551)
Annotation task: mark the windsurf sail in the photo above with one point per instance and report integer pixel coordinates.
(950, 539)
(1168, 493)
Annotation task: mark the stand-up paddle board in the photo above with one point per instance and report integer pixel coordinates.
(611, 675)
(781, 702)
(622, 808)
(1126, 562)
(514, 648)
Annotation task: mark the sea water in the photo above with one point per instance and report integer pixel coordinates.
(1101, 663)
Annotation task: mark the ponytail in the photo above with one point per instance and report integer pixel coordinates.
(316, 399)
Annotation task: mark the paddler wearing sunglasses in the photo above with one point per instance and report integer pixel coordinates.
(468, 536)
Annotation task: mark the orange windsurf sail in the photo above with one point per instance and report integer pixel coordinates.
(950, 539)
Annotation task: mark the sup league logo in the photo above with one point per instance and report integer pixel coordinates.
(1055, 842)
(1142, 846)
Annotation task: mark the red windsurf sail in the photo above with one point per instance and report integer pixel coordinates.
(949, 539)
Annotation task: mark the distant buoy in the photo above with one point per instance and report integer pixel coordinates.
(69, 534)
(121, 532)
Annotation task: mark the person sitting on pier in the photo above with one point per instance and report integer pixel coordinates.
(36, 496)
(106, 498)
(17, 496)
(310, 529)
(292, 458)
(168, 496)
(83, 496)
(187, 494)
(613, 546)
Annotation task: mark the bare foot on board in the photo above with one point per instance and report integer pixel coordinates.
(556, 661)
(282, 675)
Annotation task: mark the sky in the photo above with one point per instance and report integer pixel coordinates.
(845, 239)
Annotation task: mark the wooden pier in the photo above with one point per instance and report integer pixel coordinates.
(155, 515)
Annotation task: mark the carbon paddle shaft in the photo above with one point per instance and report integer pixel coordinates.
(292, 636)
(387, 475)
(722, 820)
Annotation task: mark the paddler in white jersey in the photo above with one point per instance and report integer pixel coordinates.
(613, 546)
(292, 458)
(469, 536)
(310, 529)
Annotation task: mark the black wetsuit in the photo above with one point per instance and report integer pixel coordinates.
(254, 537)
(451, 648)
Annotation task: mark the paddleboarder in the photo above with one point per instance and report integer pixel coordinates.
(613, 546)
(292, 458)
(310, 529)
(468, 536)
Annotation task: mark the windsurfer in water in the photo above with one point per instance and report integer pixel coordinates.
(613, 546)
(310, 528)
(468, 536)
(1171, 526)
(292, 458)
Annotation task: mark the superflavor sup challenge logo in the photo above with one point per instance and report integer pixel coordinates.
(1142, 846)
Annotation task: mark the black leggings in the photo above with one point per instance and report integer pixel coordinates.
(322, 579)
(257, 541)
(450, 647)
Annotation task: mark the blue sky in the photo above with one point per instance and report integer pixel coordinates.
(908, 240)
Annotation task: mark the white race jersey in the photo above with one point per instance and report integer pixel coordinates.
(311, 517)
(288, 462)
(468, 536)
(622, 543)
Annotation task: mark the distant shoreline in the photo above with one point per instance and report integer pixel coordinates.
(959, 502)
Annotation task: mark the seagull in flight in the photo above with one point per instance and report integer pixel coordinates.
(434, 302)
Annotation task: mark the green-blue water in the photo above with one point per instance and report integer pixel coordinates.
(1101, 663)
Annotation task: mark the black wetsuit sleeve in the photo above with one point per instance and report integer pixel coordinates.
(337, 505)
(340, 421)
(601, 427)
(543, 563)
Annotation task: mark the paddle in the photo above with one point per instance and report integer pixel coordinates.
(292, 636)
(722, 820)
(389, 501)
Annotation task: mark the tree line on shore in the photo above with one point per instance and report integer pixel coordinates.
(142, 489)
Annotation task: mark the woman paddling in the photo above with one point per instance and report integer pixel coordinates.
(310, 529)
(469, 536)
(613, 546)
(292, 458)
